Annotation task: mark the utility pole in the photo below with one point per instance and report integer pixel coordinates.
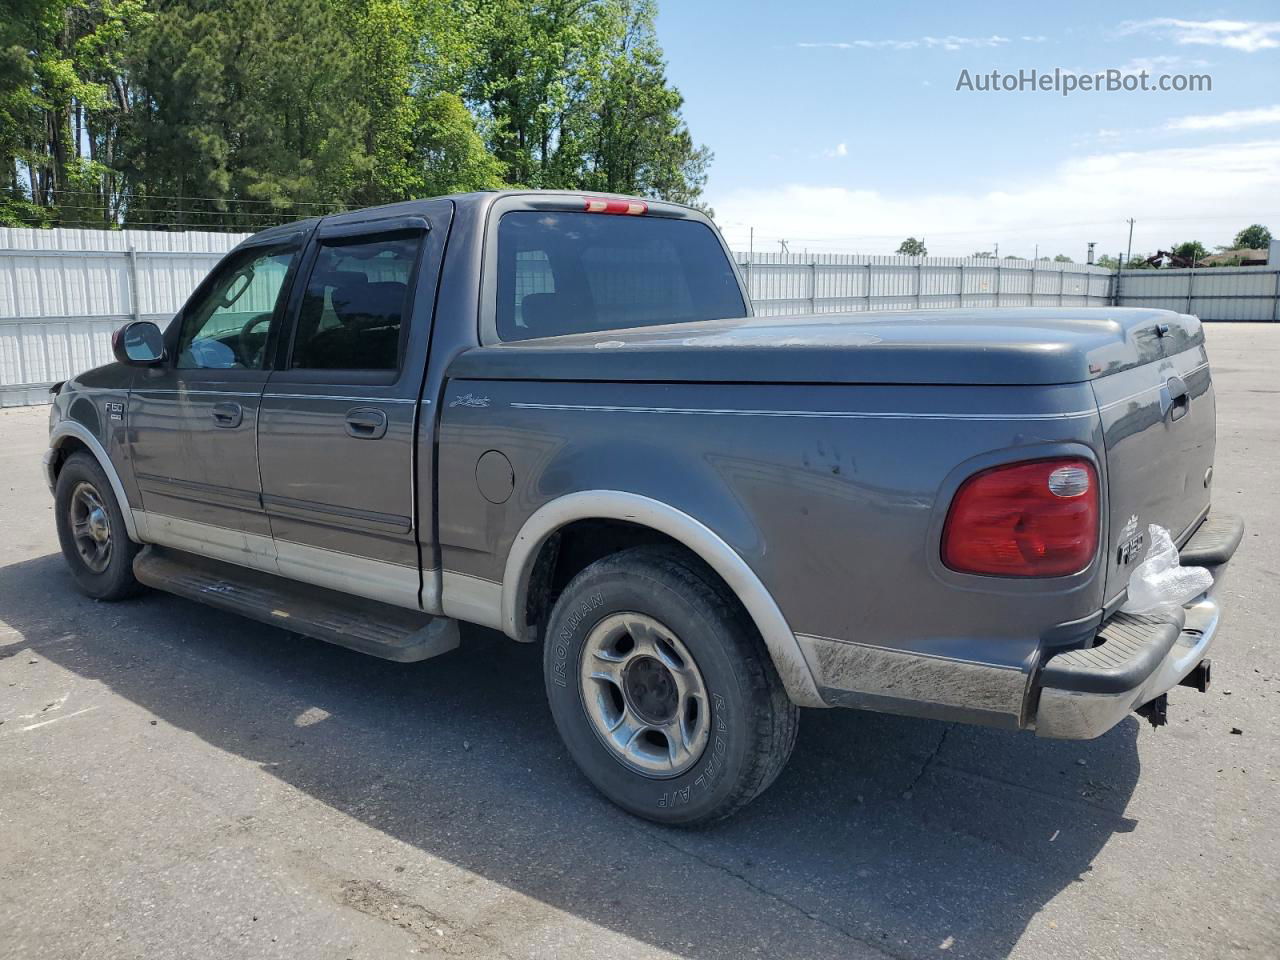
(1128, 254)
(997, 249)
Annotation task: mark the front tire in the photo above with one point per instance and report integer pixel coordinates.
(662, 689)
(91, 531)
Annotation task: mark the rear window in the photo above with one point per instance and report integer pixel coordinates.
(564, 273)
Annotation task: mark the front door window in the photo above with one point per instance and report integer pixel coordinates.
(226, 328)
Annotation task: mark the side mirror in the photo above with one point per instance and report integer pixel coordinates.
(138, 344)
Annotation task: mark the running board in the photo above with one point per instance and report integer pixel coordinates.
(378, 629)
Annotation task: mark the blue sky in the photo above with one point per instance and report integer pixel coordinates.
(838, 126)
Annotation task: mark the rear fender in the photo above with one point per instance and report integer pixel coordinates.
(781, 642)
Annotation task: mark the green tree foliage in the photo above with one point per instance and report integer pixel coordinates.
(242, 113)
(1062, 258)
(637, 141)
(575, 96)
(62, 95)
(1192, 250)
(911, 247)
(20, 128)
(1255, 237)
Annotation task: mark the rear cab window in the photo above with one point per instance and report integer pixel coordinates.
(568, 272)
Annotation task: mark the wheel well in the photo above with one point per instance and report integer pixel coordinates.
(65, 449)
(576, 546)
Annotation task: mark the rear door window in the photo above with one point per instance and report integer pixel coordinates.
(355, 305)
(568, 272)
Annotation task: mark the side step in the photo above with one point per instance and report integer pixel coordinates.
(379, 629)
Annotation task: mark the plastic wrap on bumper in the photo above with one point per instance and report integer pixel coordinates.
(1078, 710)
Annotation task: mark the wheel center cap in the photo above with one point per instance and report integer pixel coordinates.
(98, 527)
(650, 689)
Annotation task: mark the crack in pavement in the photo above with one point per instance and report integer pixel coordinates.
(779, 898)
(927, 761)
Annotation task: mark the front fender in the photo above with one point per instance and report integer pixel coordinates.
(58, 437)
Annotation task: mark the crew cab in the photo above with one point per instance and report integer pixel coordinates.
(556, 416)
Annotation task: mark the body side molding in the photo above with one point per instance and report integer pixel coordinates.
(389, 583)
(784, 649)
(73, 428)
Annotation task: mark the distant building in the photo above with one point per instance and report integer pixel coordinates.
(1241, 258)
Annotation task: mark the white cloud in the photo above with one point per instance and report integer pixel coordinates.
(829, 153)
(1230, 120)
(945, 43)
(1205, 192)
(1249, 36)
(1158, 64)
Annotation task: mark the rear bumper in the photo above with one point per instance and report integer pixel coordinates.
(1084, 693)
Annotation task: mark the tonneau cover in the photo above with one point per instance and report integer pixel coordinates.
(1008, 345)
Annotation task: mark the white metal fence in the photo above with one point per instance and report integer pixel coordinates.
(63, 292)
(783, 283)
(1215, 293)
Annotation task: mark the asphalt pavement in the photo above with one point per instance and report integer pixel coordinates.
(179, 782)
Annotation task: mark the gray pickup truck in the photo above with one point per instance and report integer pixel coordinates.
(556, 416)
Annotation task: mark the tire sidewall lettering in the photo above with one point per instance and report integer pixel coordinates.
(565, 638)
(714, 758)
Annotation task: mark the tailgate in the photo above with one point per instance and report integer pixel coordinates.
(1159, 427)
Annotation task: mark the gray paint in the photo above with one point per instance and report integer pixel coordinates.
(1040, 345)
(811, 462)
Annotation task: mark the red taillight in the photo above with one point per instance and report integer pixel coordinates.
(606, 205)
(1035, 519)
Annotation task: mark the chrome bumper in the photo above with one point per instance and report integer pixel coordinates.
(1076, 715)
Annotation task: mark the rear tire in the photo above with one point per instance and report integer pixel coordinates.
(662, 689)
(91, 531)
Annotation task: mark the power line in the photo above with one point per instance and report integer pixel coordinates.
(162, 196)
(64, 211)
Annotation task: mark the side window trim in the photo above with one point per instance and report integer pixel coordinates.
(367, 228)
(305, 266)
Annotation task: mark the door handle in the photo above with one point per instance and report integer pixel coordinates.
(1175, 398)
(228, 414)
(366, 423)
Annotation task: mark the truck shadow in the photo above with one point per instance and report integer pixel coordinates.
(899, 834)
